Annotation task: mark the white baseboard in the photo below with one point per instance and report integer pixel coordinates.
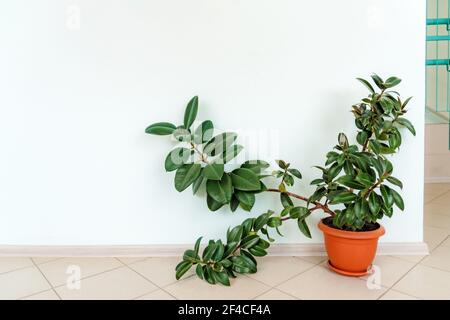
(298, 250)
(437, 179)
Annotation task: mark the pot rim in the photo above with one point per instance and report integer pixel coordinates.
(351, 234)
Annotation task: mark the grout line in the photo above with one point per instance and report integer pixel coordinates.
(274, 288)
(438, 196)
(148, 280)
(90, 276)
(30, 295)
(413, 267)
(51, 286)
(18, 269)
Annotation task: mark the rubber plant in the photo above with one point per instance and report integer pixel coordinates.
(355, 188)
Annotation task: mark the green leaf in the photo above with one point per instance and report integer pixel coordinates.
(274, 222)
(182, 268)
(261, 221)
(235, 234)
(367, 84)
(214, 171)
(304, 228)
(392, 82)
(378, 81)
(209, 275)
(234, 203)
(209, 251)
(350, 182)
(374, 204)
(387, 195)
(375, 146)
(258, 252)
(204, 132)
(246, 198)
(176, 158)
(213, 205)
(286, 201)
(190, 255)
(216, 191)
(198, 183)
(182, 135)
(316, 181)
(395, 181)
(218, 253)
(342, 197)
(255, 165)
(250, 241)
(186, 175)
(161, 129)
(406, 123)
(247, 225)
(282, 164)
(231, 153)
(299, 213)
(197, 245)
(191, 112)
(365, 179)
(295, 173)
(199, 271)
(334, 170)
(222, 277)
(398, 200)
(220, 143)
(245, 180)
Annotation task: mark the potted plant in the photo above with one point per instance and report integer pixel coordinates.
(356, 188)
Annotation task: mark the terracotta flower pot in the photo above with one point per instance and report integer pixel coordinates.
(350, 253)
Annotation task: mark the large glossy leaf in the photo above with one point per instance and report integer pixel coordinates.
(182, 268)
(191, 112)
(398, 200)
(342, 197)
(367, 84)
(176, 158)
(255, 165)
(215, 191)
(220, 143)
(231, 153)
(374, 204)
(214, 171)
(387, 195)
(286, 201)
(350, 182)
(161, 129)
(406, 123)
(395, 181)
(245, 180)
(304, 228)
(227, 186)
(204, 132)
(186, 175)
(245, 198)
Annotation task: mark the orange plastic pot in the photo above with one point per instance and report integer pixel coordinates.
(351, 253)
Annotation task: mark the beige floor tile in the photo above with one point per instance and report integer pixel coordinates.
(21, 283)
(160, 271)
(437, 208)
(157, 295)
(242, 288)
(425, 283)
(10, 264)
(395, 295)
(437, 221)
(436, 189)
(446, 243)
(46, 295)
(275, 294)
(130, 260)
(434, 236)
(443, 199)
(275, 270)
(439, 258)
(56, 271)
(41, 260)
(314, 259)
(323, 284)
(410, 258)
(118, 284)
(391, 269)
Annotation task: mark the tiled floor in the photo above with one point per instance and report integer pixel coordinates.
(287, 278)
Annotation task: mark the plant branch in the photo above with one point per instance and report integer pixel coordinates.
(318, 205)
(203, 157)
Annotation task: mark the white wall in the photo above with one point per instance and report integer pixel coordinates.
(75, 165)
